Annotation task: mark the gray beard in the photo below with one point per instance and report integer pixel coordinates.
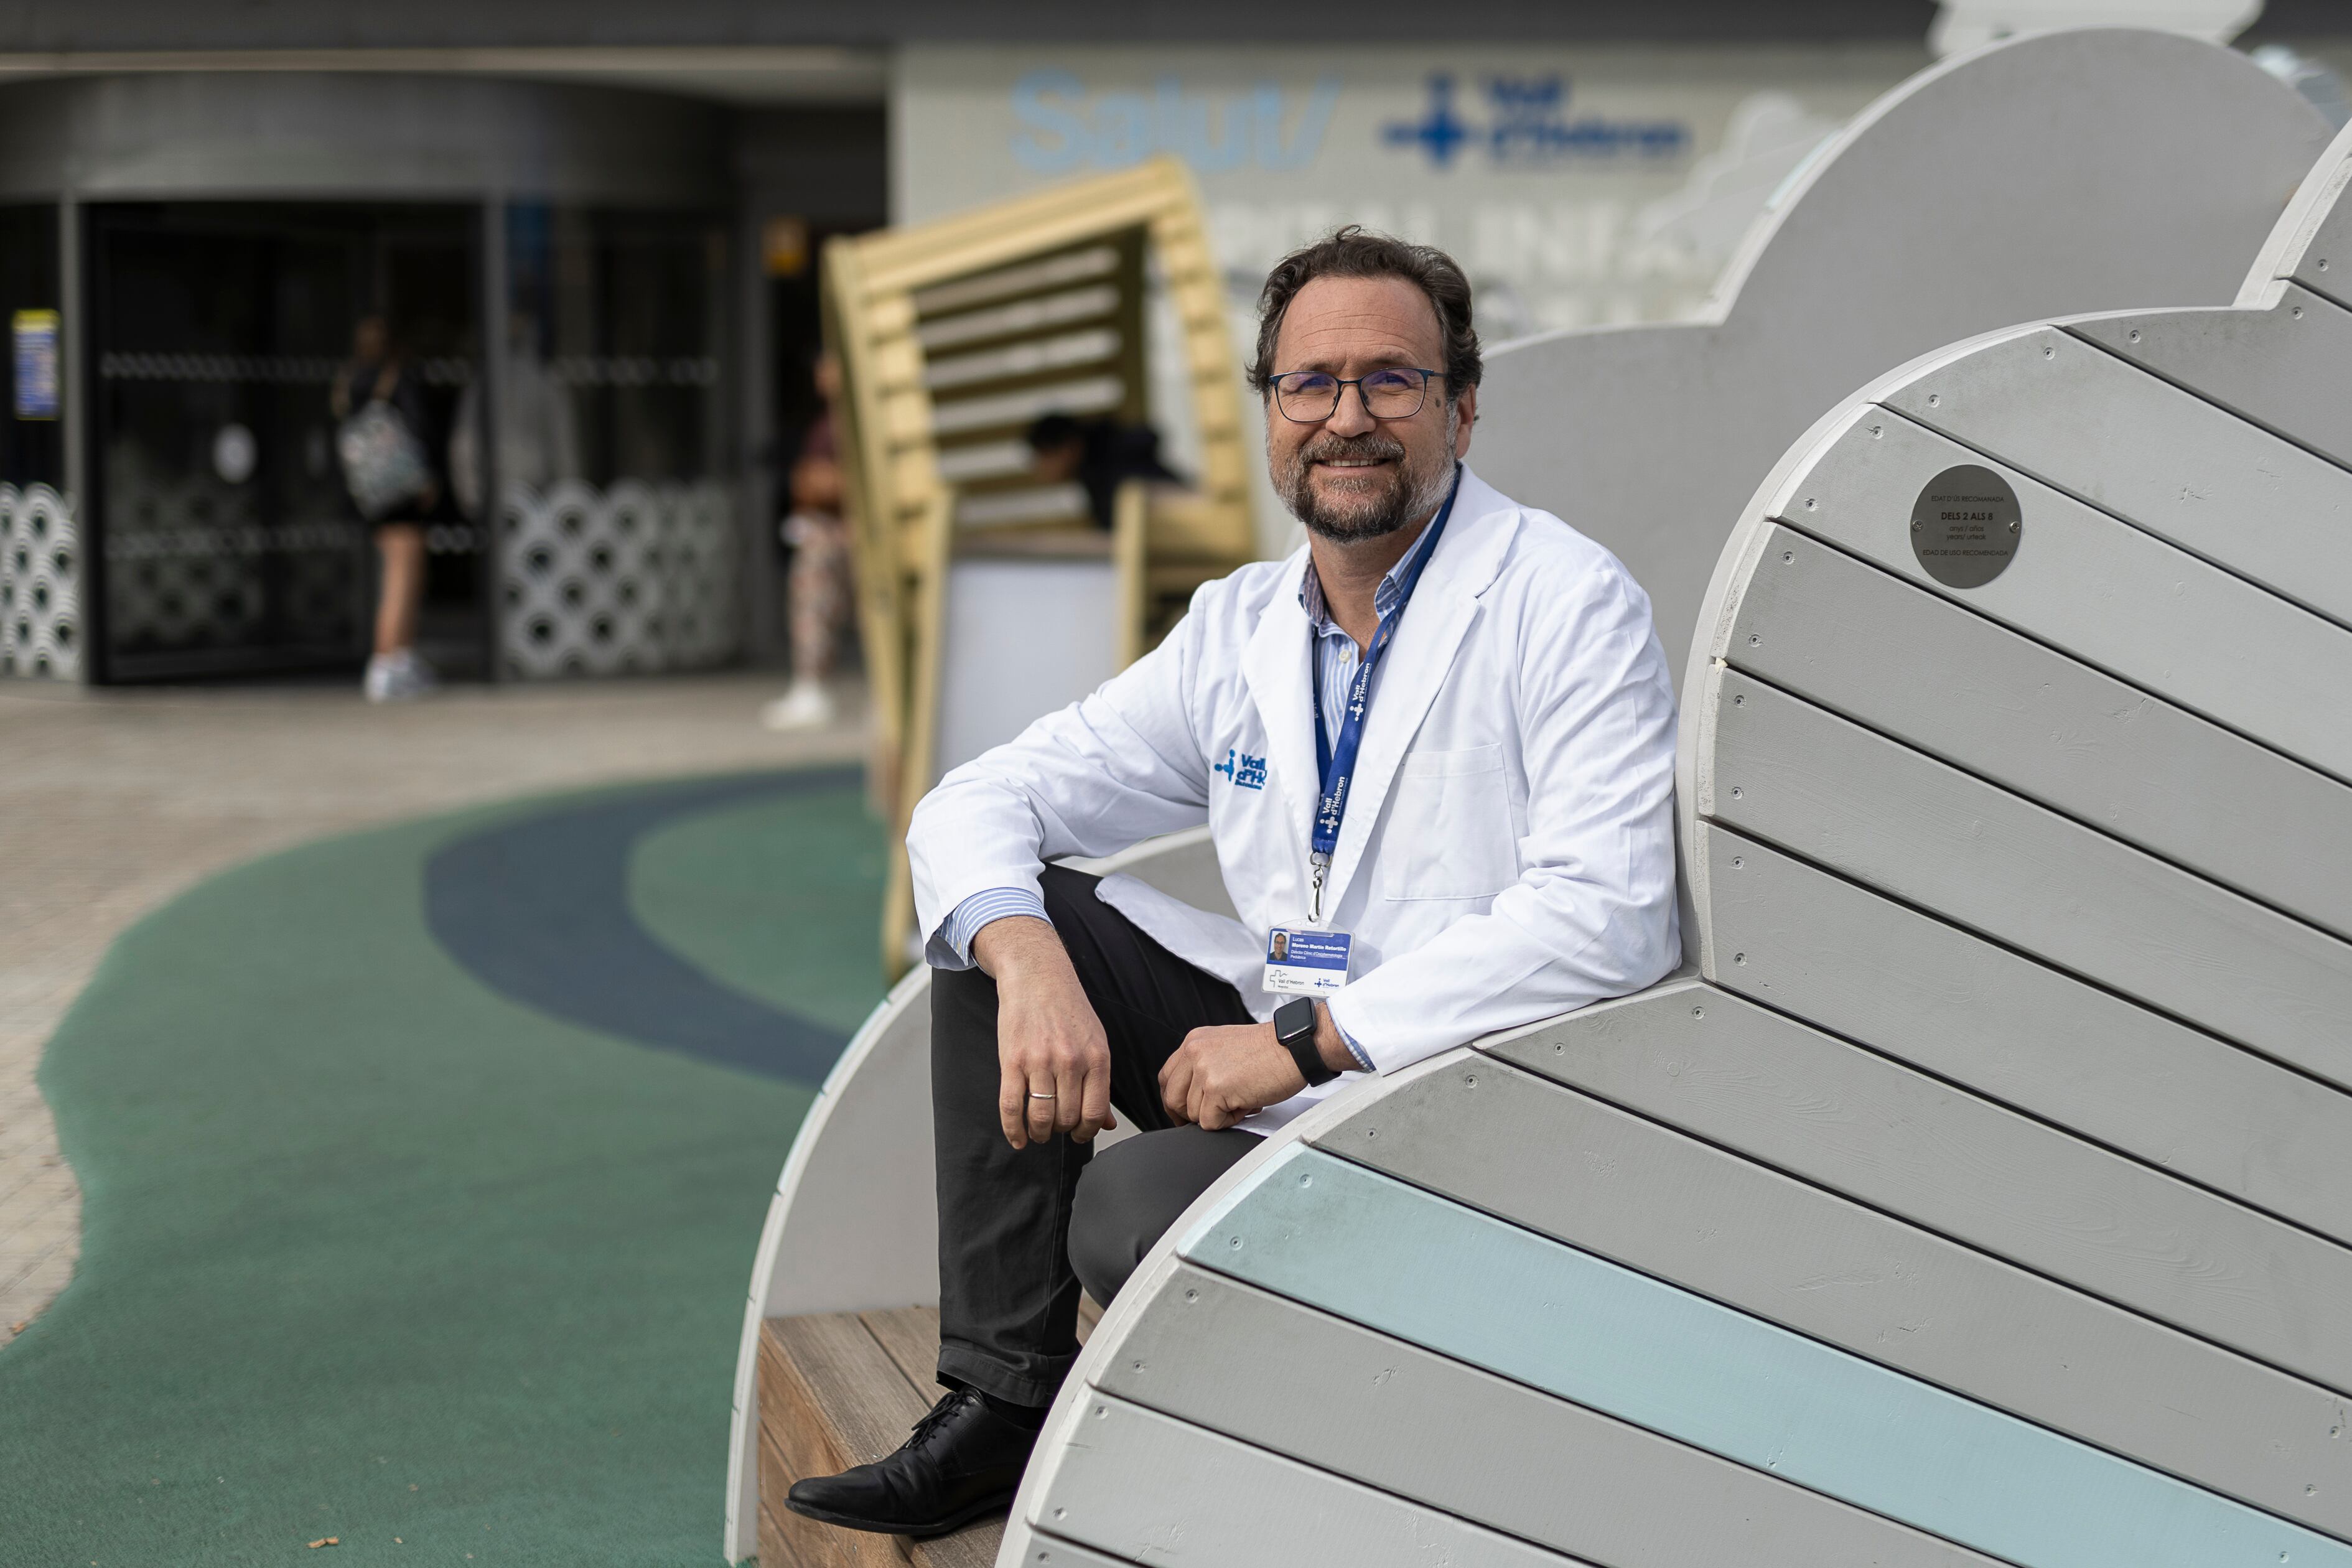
(1415, 494)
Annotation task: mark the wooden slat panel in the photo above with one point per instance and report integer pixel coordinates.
(1008, 232)
(910, 1336)
(788, 1541)
(1046, 1551)
(2323, 264)
(2098, 589)
(1560, 1162)
(2314, 233)
(1394, 1258)
(2288, 368)
(1140, 1486)
(1856, 965)
(829, 1398)
(1793, 775)
(1920, 668)
(1023, 358)
(1284, 1377)
(842, 1389)
(1021, 318)
(895, 363)
(1038, 277)
(1858, 1123)
(2048, 403)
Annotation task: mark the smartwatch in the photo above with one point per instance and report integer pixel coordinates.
(1294, 1025)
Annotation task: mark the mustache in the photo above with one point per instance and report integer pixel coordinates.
(1371, 444)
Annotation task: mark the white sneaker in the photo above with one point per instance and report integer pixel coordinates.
(805, 705)
(397, 676)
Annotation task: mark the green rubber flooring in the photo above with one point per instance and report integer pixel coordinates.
(374, 1250)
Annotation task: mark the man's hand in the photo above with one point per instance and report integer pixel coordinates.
(1048, 1040)
(1220, 1075)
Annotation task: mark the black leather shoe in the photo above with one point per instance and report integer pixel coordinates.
(964, 1460)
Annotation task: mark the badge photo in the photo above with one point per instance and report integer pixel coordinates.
(1301, 961)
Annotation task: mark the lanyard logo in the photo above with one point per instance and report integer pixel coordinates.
(1242, 769)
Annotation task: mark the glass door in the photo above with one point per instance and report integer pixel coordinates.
(226, 540)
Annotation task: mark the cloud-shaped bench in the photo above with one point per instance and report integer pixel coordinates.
(1799, 1257)
(1985, 1194)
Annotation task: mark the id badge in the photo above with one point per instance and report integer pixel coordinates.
(1305, 961)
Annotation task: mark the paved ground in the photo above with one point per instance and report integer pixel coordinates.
(113, 801)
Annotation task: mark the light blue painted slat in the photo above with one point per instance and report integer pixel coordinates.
(1395, 1258)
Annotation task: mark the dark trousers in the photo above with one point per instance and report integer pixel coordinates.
(1020, 1230)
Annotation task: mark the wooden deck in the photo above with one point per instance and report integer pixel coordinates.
(841, 1389)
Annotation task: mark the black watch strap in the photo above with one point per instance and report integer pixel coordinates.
(1294, 1025)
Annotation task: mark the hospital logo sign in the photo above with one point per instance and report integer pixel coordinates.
(1526, 122)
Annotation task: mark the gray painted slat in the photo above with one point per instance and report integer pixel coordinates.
(1286, 1377)
(2135, 445)
(1617, 1184)
(2324, 263)
(2097, 588)
(1864, 643)
(1856, 965)
(1858, 1123)
(1782, 769)
(2287, 367)
(1137, 1485)
(1045, 1552)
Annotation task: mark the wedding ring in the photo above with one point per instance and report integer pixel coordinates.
(1034, 1095)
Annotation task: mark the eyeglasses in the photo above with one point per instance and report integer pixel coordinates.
(1309, 396)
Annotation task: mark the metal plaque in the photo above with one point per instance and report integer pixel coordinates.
(1965, 526)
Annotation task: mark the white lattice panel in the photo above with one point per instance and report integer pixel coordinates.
(40, 585)
(635, 577)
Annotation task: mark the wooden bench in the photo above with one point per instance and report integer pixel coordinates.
(1885, 1159)
(1984, 1193)
(953, 336)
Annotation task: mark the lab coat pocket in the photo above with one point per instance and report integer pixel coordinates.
(1449, 831)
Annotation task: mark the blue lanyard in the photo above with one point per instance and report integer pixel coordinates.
(1335, 761)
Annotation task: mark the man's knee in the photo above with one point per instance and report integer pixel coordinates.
(1112, 1220)
(1133, 1191)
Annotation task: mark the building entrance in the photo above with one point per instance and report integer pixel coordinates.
(211, 278)
(222, 335)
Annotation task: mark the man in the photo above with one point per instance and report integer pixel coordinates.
(1435, 752)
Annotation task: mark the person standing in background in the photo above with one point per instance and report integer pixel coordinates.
(819, 587)
(380, 439)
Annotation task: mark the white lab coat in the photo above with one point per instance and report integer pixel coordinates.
(1507, 855)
